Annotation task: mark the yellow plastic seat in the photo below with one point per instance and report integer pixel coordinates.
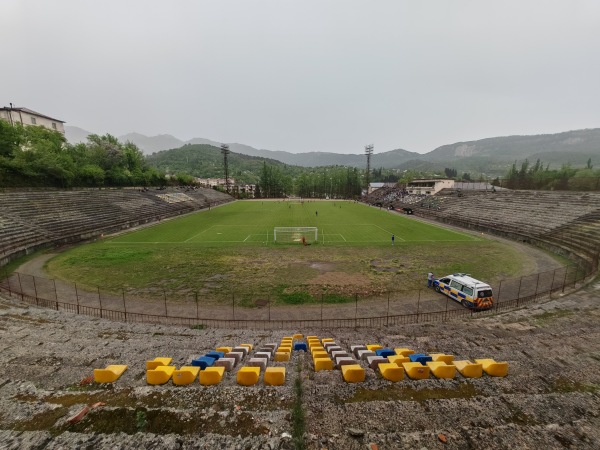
(274, 376)
(160, 375)
(391, 371)
(298, 336)
(285, 348)
(398, 359)
(287, 338)
(320, 354)
(493, 368)
(224, 349)
(247, 376)
(353, 373)
(160, 361)
(442, 370)
(110, 374)
(282, 356)
(323, 364)
(404, 351)
(468, 369)
(185, 375)
(248, 346)
(327, 340)
(448, 359)
(211, 375)
(374, 347)
(416, 371)
(311, 338)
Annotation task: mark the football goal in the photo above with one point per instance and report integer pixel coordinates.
(295, 234)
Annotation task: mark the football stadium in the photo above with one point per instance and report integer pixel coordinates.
(186, 318)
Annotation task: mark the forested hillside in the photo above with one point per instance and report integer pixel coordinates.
(36, 156)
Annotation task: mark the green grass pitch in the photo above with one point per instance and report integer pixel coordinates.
(251, 223)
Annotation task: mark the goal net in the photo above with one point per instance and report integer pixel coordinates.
(295, 234)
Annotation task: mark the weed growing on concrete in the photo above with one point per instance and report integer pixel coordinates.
(297, 412)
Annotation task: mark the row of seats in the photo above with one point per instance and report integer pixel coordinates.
(326, 354)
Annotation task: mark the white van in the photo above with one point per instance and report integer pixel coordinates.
(471, 293)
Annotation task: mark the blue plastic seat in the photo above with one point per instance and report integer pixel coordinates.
(385, 352)
(203, 362)
(300, 346)
(420, 358)
(214, 354)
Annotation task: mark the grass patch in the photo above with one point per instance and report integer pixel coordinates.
(564, 385)
(546, 318)
(296, 298)
(463, 390)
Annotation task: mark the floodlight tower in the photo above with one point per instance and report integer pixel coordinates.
(368, 152)
(225, 152)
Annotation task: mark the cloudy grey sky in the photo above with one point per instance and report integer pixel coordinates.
(322, 75)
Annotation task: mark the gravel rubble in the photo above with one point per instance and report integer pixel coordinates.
(550, 399)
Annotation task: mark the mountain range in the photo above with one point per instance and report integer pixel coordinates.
(491, 156)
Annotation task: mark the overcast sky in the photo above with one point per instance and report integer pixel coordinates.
(322, 75)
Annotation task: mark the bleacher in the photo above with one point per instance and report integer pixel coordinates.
(30, 219)
(565, 222)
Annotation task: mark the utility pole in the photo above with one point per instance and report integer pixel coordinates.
(225, 152)
(368, 152)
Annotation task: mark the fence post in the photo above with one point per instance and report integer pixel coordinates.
(269, 302)
(20, 286)
(575, 279)
(165, 297)
(124, 305)
(76, 297)
(537, 282)
(355, 310)
(55, 294)
(446, 313)
(233, 305)
(387, 315)
(418, 303)
(519, 291)
(321, 309)
(552, 285)
(100, 301)
(9, 289)
(565, 278)
(196, 298)
(498, 299)
(35, 291)
(8, 280)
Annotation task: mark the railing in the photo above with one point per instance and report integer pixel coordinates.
(388, 309)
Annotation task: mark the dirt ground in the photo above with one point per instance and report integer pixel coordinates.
(550, 398)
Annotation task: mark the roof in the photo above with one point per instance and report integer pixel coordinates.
(466, 278)
(32, 112)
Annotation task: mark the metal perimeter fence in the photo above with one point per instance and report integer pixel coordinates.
(190, 310)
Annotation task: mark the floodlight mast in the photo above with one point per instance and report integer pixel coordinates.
(225, 152)
(368, 152)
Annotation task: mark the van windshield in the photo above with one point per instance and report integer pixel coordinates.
(484, 293)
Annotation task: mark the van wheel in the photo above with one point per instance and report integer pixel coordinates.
(437, 289)
(464, 303)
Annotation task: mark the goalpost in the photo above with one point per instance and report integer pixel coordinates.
(295, 234)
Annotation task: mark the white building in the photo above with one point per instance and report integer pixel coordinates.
(25, 116)
(428, 187)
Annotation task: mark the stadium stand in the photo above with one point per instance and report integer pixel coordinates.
(564, 222)
(34, 219)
